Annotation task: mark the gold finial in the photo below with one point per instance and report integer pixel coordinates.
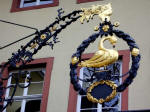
(103, 11)
(74, 60)
(135, 52)
(105, 28)
(96, 28)
(116, 24)
(54, 28)
(33, 45)
(43, 36)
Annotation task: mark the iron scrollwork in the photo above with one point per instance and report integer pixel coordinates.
(24, 55)
(48, 36)
(106, 31)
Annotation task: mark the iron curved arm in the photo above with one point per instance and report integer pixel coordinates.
(42, 38)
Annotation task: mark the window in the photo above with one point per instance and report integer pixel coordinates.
(34, 97)
(83, 1)
(83, 105)
(78, 103)
(22, 5)
(28, 3)
(25, 95)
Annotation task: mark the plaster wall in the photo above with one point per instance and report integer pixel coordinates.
(133, 15)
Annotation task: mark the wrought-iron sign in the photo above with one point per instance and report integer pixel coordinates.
(101, 89)
(102, 58)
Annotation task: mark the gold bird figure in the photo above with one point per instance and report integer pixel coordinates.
(103, 56)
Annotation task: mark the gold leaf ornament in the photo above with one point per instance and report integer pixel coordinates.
(74, 60)
(86, 15)
(33, 45)
(96, 28)
(135, 52)
(43, 36)
(103, 57)
(101, 100)
(105, 28)
(103, 11)
(54, 28)
(116, 24)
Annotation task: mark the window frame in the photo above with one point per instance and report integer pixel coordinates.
(84, 1)
(25, 95)
(16, 6)
(125, 56)
(47, 78)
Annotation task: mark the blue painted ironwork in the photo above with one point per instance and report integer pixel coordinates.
(24, 56)
(129, 40)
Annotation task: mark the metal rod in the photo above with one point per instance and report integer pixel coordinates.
(18, 24)
(16, 41)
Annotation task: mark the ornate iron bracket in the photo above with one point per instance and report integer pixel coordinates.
(48, 36)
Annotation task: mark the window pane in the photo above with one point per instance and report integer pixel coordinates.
(87, 73)
(21, 78)
(93, 110)
(13, 107)
(28, 3)
(19, 91)
(36, 82)
(33, 106)
(46, 2)
(86, 103)
(37, 76)
(110, 110)
(35, 88)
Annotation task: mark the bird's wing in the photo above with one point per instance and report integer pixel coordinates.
(97, 60)
(109, 57)
(96, 56)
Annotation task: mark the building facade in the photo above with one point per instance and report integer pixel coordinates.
(133, 16)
